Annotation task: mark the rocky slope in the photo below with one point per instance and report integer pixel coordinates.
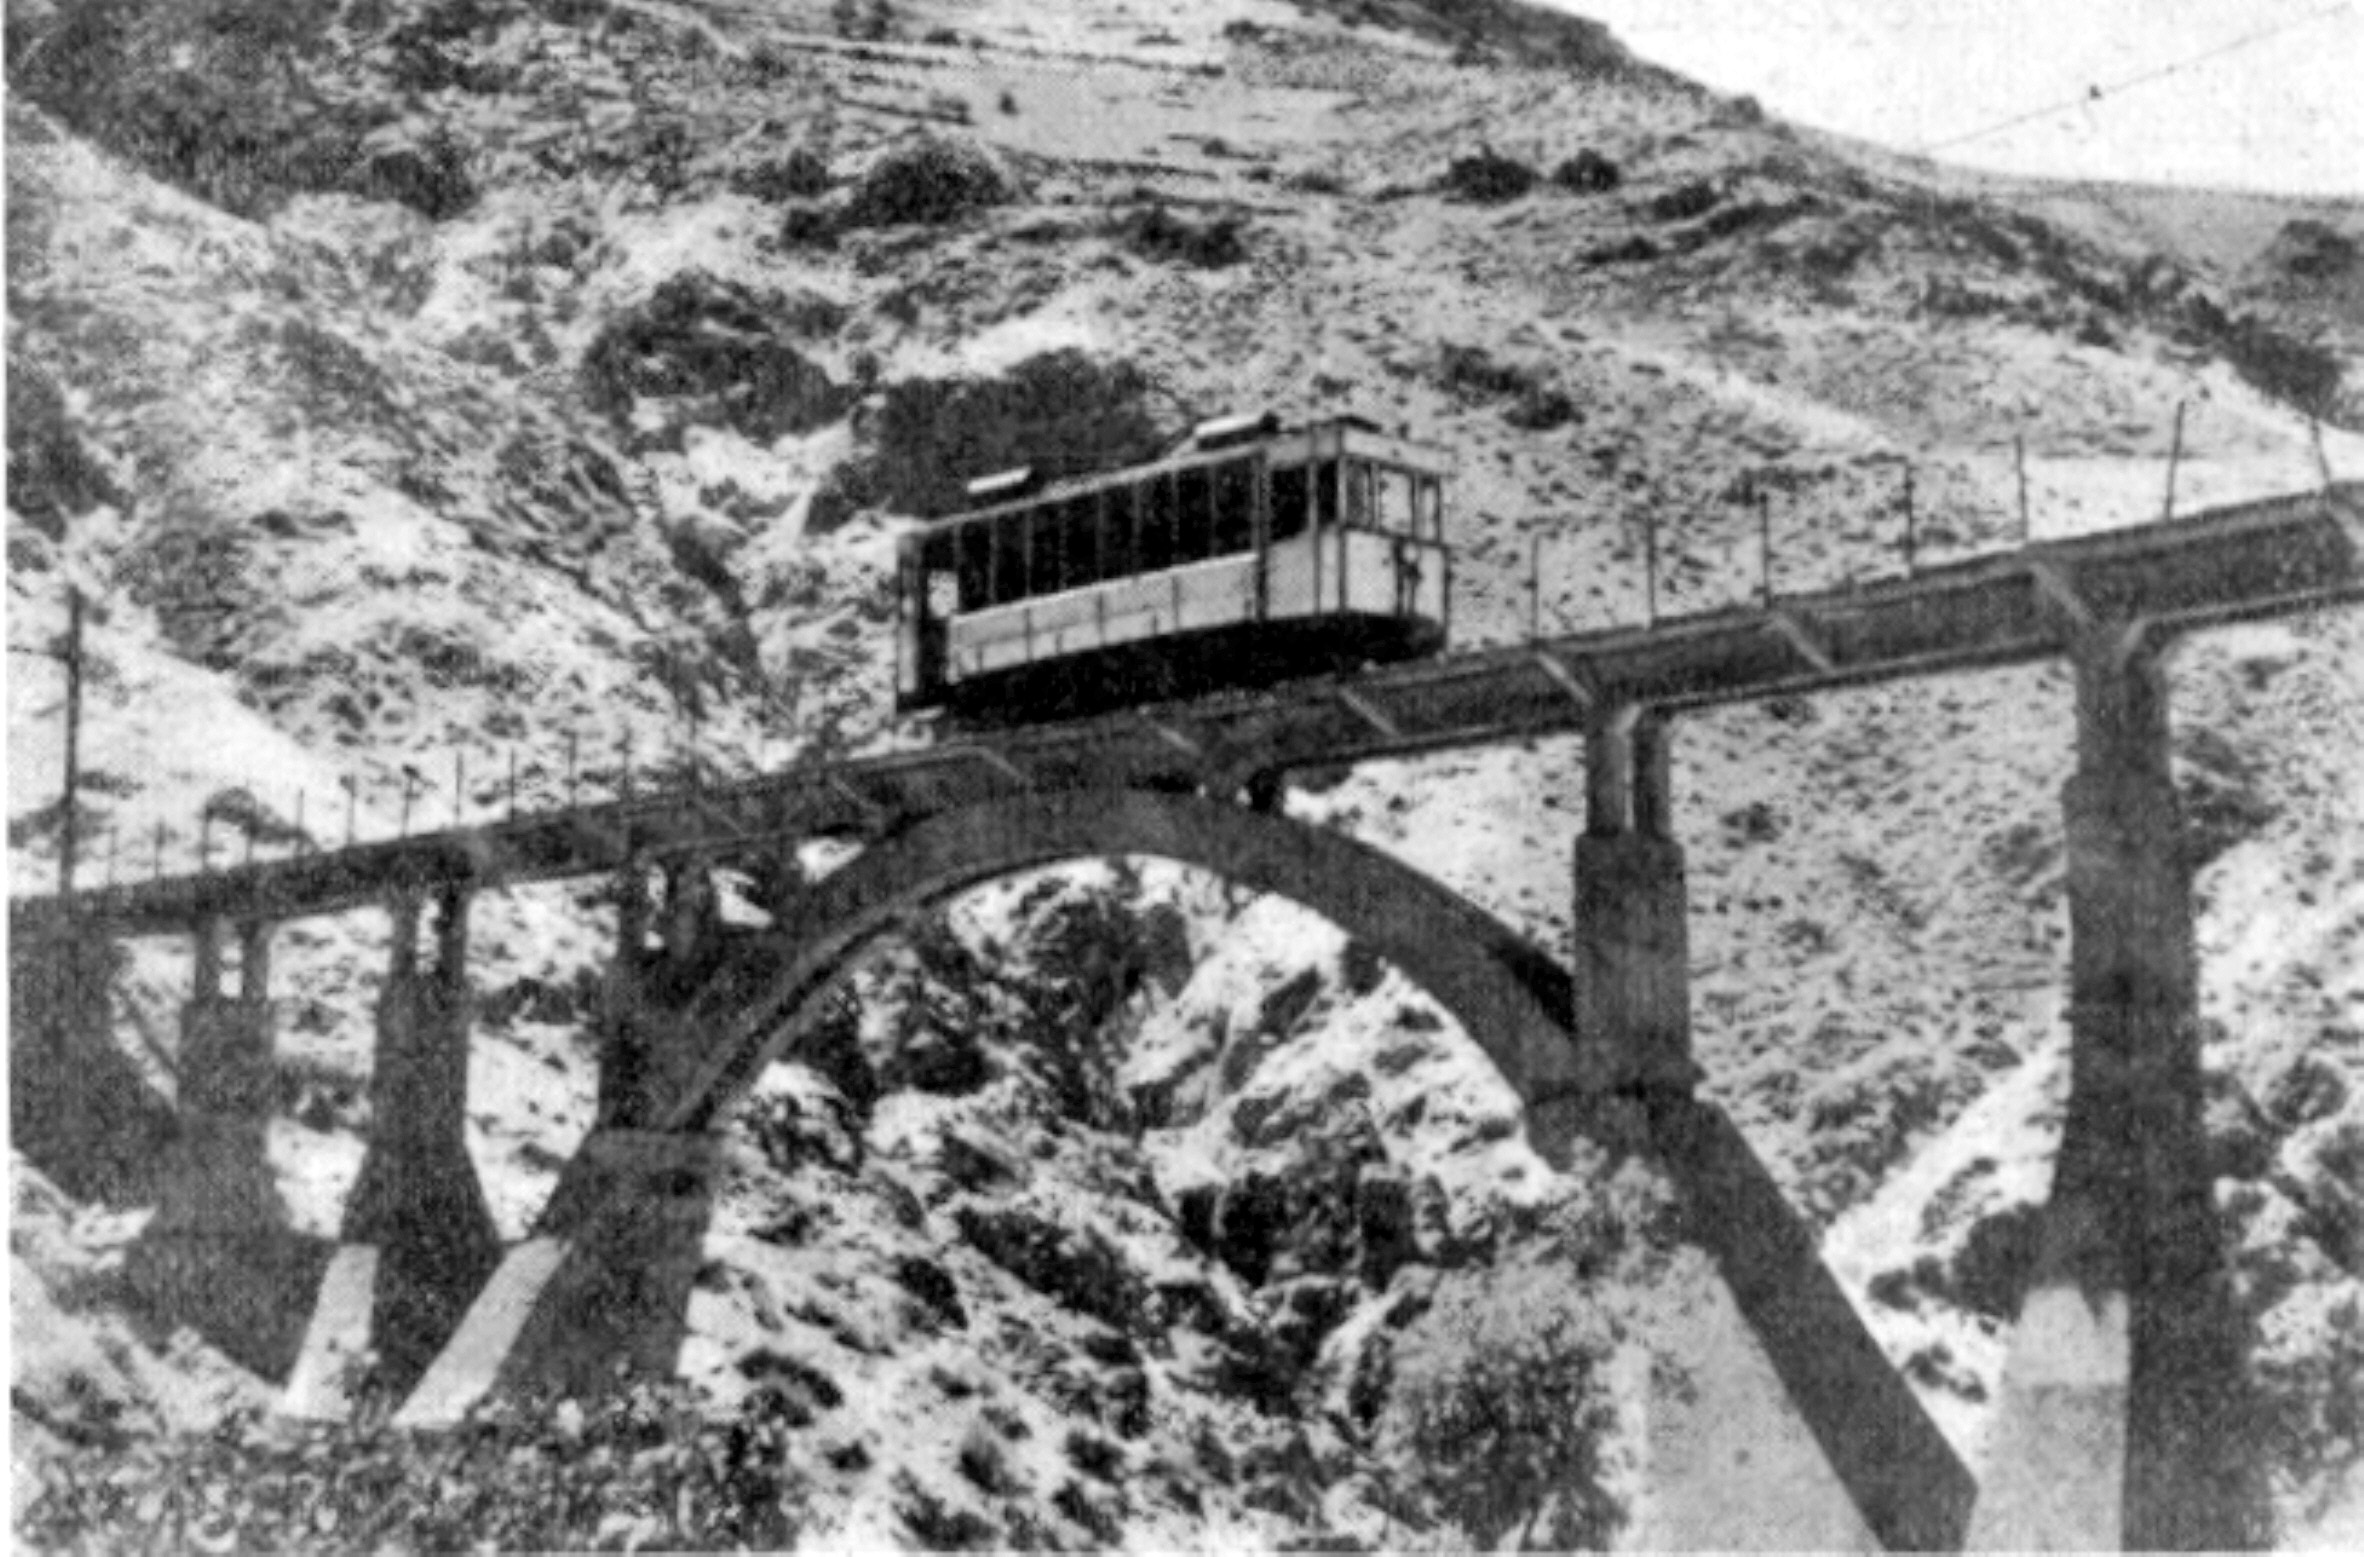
(451, 401)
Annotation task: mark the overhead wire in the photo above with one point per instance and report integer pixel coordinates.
(2094, 94)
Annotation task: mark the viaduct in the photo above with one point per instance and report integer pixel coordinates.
(2120, 1422)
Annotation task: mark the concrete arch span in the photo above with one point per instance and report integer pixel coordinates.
(608, 1271)
(1510, 998)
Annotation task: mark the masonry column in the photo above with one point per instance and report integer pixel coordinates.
(1632, 941)
(628, 1016)
(2125, 1418)
(1792, 1430)
(652, 1002)
(220, 1254)
(78, 1105)
(604, 1280)
(418, 1239)
(693, 914)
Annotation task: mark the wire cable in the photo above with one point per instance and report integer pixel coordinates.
(2098, 94)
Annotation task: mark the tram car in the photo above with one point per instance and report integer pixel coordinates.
(1252, 555)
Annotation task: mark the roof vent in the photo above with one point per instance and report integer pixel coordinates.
(1002, 486)
(1224, 431)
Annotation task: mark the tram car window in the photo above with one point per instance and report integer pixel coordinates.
(1292, 502)
(1255, 554)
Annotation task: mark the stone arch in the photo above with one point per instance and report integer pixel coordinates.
(1511, 999)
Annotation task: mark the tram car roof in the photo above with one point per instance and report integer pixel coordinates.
(1215, 442)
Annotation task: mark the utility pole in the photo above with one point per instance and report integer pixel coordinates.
(70, 836)
(2174, 458)
(2019, 465)
(1911, 525)
(1765, 544)
(68, 652)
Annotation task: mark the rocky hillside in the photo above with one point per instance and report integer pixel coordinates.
(449, 401)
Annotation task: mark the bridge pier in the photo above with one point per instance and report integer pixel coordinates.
(418, 1238)
(1729, 1468)
(78, 1106)
(220, 1254)
(604, 1281)
(644, 1052)
(1633, 998)
(2124, 1419)
(628, 1025)
(601, 1289)
(693, 915)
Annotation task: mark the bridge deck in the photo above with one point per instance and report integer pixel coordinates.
(2257, 560)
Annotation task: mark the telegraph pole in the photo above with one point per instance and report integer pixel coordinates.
(70, 838)
(69, 653)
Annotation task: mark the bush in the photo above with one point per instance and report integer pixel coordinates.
(1506, 1415)
(206, 584)
(209, 98)
(1158, 235)
(2305, 375)
(1587, 173)
(1061, 412)
(1632, 249)
(1075, 1266)
(940, 1526)
(52, 475)
(1536, 404)
(800, 175)
(809, 227)
(929, 180)
(431, 177)
(715, 341)
(1684, 202)
(1488, 178)
(646, 1468)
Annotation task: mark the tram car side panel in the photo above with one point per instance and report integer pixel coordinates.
(1284, 555)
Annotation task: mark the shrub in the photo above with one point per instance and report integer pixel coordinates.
(1540, 408)
(1360, 968)
(1095, 1456)
(52, 475)
(863, 21)
(716, 341)
(984, 1463)
(1102, 1523)
(213, 98)
(927, 181)
(238, 809)
(1632, 249)
(1587, 173)
(205, 583)
(938, 1525)
(1488, 178)
(1536, 404)
(809, 227)
(2305, 375)
(1684, 202)
(800, 175)
(431, 177)
(929, 1282)
(1158, 235)
(1074, 1266)
(648, 1467)
(205, 97)
(1506, 1413)
(1061, 412)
